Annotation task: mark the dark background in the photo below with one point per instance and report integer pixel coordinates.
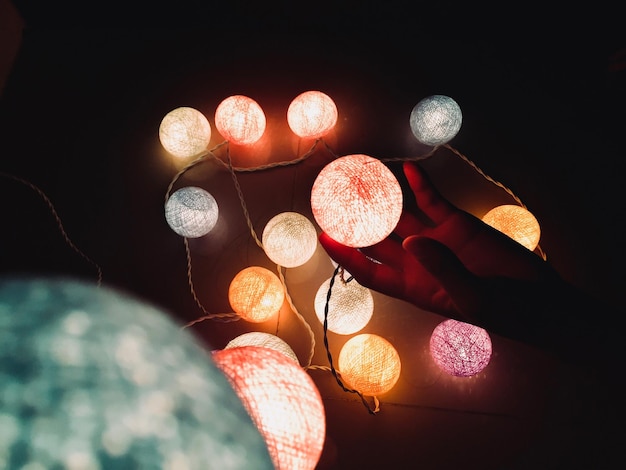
(542, 95)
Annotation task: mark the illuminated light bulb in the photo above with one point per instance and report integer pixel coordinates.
(240, 120)
(436, 120)
(289, 239)
(93, 378)
(369, 364)
(350, 306)
(516, 222)
(312, 114)
(459, 348)
(256, 294)
(191, 212)
(263, 340)
(356, 200)
(283, 401)
(185, 132)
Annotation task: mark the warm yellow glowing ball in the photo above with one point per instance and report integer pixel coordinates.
(256, 294)
(263, 340)
(356, 200)
(369, 364)
(191, 212)
(240, 119)
(350, 306)
(516, 222)
(436, 120)
(312, 114)
(185, 132)
(289, 239)
(283, 402)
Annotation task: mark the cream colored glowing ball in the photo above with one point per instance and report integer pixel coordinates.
(283, 401)
(256, 294)
(356, 200)
(289, 239)
(436, 120)
(191, 212)
(240, 119)
(369, 364)
(516, 222)
(459, 348)
(264, 340)
(312, 114)
(350, 306)
(185, 132)
(94, 379)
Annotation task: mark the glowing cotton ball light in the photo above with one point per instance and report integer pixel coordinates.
(191, 212)
(91, 378)
(185, 132)
(350, 306)
(283, 401)
(436, 120)
(369, 364)
(263, 340)
(356, 200)
(240, 119)
(516, 222)
(256, 294)
(459, 348)
(289, 239)
(312, 114)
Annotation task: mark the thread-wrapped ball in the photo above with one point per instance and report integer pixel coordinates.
(240, 119)
(312, 114)
(436, 120)
(191, 212)
(516, 222)
(263, 340)
(289, 239)
(256, 294)
(185, 132)
(350, 306)
(459, 348)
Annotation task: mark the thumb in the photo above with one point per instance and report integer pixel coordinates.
(462, 286)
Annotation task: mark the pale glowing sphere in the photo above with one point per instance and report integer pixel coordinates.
(516, 222)
(92, 378)
(369, 364)
(283, 401)
(185, 132)
(191, 212)
(356, 200)
(436, 120)
(350, 306)
(312, 114)
(263, 340)
(289, 239)
(459, 348)
(240, 120)
(256, 294)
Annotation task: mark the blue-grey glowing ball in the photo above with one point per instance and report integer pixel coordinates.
(92, 379)
(436, 120)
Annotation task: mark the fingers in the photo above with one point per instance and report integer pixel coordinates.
(436, 207)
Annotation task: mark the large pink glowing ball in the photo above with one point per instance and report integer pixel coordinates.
(356, 200)
(282, 400)
(240, 119)
(459, 348)
(312, 114)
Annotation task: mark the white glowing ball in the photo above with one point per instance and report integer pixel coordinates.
(369, 364)
(350, 306)
(263, 340)
(283, 401)
(92, 378)
(185, 132)
(459, 348)
(240, 119)
(256, 294)
(191, 212)
(516, 222)
(312, 114)
(436, 120)
(356, 200)
(289, 239)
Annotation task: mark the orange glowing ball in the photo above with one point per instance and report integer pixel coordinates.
(240, 120)
(256, 294)
(516, 222)
(369, 364)
(459, 348)
(282, 400)
(312, 114)
(185, 132)
(356, 200)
